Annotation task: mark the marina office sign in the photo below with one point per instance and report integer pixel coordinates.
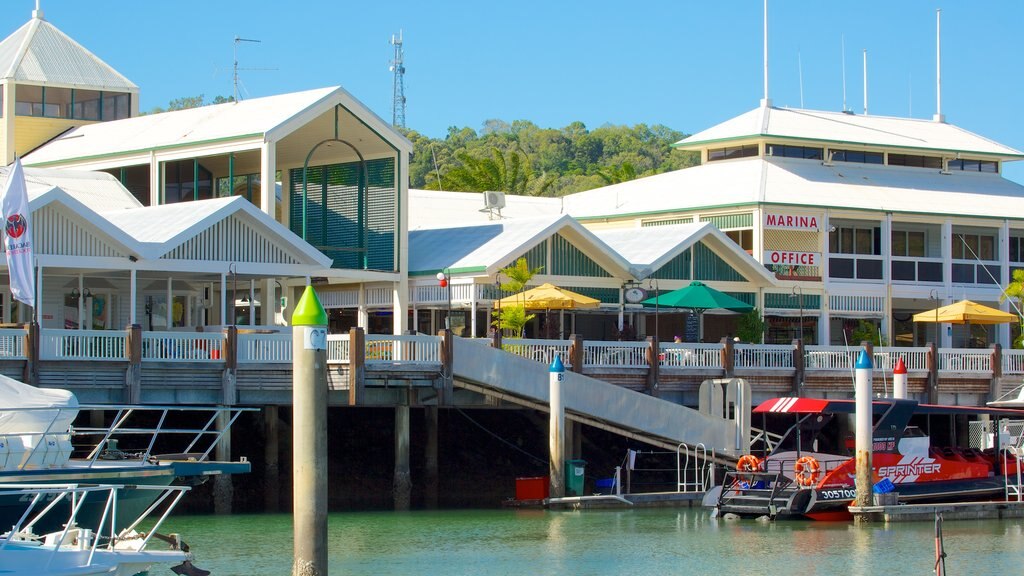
(782, 221)
(791, 258)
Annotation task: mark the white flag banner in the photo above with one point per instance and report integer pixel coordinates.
(18, 236)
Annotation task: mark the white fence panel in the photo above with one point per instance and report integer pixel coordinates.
(830, 357)
(265, 348)
(965, 360)
(763, 357)
(96, 345)
(12, 343)
(915, 359)
(1013, 361)
(338, 348)
(381, 348)
(691, 355)
(183, 346)
(615, 354)
(538, 349)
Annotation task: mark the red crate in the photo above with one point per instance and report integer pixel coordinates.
(532, 488)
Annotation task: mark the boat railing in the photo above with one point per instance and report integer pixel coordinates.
(1013, 481)
(43, 500)
(127, 426)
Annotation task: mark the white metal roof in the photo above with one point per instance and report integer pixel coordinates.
(806, 183)
(437, 209)
(253, 118)
(648, 249)
(97, 190)
(488, 247)
(837, 127)
(39, 53)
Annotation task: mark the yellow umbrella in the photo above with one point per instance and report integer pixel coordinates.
(966, 312)
(548, 297)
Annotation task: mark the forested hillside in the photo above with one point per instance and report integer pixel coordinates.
(522, 158)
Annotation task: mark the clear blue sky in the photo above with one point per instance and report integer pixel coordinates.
(686, 64)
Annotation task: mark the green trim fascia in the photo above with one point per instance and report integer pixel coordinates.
(141, 150)
(667, 211)
(701, 143)
(468, 269)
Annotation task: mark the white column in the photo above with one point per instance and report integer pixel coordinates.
(10, 94)
(947, 275)
(39, 298)
(622, 306)
(252, 303)
(133, 298)
(887, 324)
(155, 180)
(362, 315)
(268, 178)
(170, 304)
(81, 303)
(269, 299)
(400, 301)
(472, 309)
(1003, 330)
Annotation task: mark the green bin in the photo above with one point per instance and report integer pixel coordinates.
(574, 470)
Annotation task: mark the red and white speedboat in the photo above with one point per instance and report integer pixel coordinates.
(809, 472)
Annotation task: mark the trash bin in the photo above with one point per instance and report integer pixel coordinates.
(574, 470)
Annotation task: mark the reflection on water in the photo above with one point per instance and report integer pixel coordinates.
(596, 542)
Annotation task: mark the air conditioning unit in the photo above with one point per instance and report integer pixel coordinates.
(494, 200)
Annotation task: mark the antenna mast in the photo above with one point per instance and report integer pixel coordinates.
(234, 69)
(865, 82)
(938, 69)
(766, 101)
(398, 90)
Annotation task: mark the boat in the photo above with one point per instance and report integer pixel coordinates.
(141, 445)
(74, 550)
(809, 470)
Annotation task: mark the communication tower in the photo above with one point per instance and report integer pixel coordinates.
(398, 68)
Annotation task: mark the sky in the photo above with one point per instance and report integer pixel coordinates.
(684, 64)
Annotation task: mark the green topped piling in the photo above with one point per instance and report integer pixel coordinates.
(309, 437)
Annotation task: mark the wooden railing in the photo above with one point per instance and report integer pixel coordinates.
(275, 348)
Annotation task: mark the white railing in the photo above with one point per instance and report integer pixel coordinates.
(100, 345)
(273, 348)
(691, 355)
(182, 346)
(615, 354)
(1013, 361)
(338, 348)
(404, 348)
(915, 359)
(12, 343)
(763, 357)
(538, 350)
(830, 357)
(965, 360)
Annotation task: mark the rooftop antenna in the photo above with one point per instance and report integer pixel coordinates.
(910, 95)
(766, 101)
(843, 56)
(800, 68)
(398, 89)
(938, 68)
(865, 82)
(235, 68)
(38, 12)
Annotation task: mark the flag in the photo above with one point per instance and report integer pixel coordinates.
(18, 236)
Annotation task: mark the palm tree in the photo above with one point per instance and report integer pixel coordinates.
(515, 318)
(1015, 291)
(614, 175)
(509, 172)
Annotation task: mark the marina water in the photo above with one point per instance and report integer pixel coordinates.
(600, 542)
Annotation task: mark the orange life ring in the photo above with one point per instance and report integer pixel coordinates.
(749, 463)
(807, 470)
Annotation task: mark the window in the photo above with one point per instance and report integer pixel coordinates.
(731, 152)
(850, 240)
(1016, 246)
(784, 151)
(86, 105)
(29, 101)
(186, 180)
(908, 243)
(971, 246)
(71, 103)
(915, 161)
(974, 165)
(116, 106)
(247, 185)
(859, 156)
(743, 238)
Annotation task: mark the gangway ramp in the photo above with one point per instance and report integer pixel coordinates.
(493, 372)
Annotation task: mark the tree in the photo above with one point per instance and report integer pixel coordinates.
(622, 173)
(1015, 292)
(750, 327)
(186, 102)
(514, 318)
(501, 172)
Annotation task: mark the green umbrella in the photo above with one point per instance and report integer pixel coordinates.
(698, 297)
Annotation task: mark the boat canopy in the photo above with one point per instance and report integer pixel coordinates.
(795, 405)
(26, 409)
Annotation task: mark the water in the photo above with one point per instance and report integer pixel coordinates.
(638, 542)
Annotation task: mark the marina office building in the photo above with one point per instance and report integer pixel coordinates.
(857, 218)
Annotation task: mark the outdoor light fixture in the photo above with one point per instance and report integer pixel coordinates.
(444, 281)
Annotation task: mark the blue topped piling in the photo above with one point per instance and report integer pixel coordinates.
(556, 429)
(862, 392)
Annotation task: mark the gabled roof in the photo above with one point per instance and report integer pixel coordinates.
(161, 229)
(487, 248)
(39, 53)
(798, 182)
(648, 249)
(97, 190)
(255, 118)
(840, 128)
(438, 209)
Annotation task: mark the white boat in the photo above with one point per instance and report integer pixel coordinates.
(38, 444)
(79, 551)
